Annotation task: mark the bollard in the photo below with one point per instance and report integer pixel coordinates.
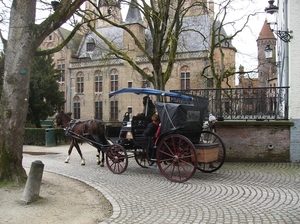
(33, 183)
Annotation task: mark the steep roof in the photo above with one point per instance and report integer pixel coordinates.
(74, 42)
(114, 34)
(223, 35)
(109, 3)
(195, 35)
(266, 32)
(133, 14)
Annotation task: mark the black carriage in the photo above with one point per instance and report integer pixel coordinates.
(182, 146)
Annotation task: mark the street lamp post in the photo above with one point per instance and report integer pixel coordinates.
(282, 34)
(281, 49)
(269, 56)
(54, 4)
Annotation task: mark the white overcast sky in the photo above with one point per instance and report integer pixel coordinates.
(245, 42)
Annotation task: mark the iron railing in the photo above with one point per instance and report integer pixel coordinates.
(266, 103)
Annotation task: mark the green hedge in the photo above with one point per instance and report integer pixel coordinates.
(36, 136)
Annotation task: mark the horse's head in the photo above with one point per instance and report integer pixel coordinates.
(62, 119)
(58, 120)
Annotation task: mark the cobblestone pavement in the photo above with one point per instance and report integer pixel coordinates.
(237, 193)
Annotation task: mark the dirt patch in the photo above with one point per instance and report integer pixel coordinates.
(62, 200)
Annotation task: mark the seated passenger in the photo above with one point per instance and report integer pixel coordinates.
(150, 134)
(149, 108)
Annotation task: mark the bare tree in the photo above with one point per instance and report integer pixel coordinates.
(164, 21)
(218, 67)
(24, 37)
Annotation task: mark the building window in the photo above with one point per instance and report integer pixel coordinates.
(145, 83)
(76, 110)
(129, 84)
(90, 47)
(113, 81)
(79, 80)
(98, 110)
(210, 82)
(61, 68)
(98, 83)
(50, 37)
(113, 110)
(185, 80)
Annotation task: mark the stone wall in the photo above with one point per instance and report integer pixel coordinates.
(256, 141)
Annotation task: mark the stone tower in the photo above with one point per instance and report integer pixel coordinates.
(135, 24)
(265, 69)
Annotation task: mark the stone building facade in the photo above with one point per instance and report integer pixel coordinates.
(90, 76)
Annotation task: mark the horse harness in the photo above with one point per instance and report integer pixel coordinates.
(85, 131)
(72, 125)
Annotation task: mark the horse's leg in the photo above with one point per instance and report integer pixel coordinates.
(102, 159)
(79, 152)
(69, 152)
(98, 157)
(100, 162)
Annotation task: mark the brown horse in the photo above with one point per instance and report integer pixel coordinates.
(91, 129)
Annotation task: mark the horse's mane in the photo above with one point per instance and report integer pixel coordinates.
(63, 114)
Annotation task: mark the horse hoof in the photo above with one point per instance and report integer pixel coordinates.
(82, 164)
(98, 163)
(102, 165)
(66, 161)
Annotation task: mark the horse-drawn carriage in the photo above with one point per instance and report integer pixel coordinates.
(182, 146)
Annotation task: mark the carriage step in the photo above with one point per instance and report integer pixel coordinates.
(153, 166)
(207, 152)
(206, 145)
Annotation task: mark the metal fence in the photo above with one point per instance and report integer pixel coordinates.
(266, 103)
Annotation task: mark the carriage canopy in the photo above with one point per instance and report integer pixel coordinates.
(183, 117)
(149, 91)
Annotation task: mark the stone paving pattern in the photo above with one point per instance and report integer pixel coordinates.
(237, 193)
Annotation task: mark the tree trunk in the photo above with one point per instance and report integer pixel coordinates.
(24, 38)
(19, 52)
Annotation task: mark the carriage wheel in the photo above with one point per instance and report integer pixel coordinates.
(141, 157)
(211, 137)
(176, 156)
(116, 159)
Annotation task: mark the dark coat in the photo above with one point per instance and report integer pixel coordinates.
(151, 130)
(149, 134)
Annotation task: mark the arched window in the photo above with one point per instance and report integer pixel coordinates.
(114, 85)
(113, 110)
(98, 110)
(79, 83)
(145, 82)
(76, 106)
(98, 81)
(185, 82)
(61, 68)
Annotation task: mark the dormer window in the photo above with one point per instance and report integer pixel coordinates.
(90, 47)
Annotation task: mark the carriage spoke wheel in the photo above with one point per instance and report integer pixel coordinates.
(141, 157)
(116, 159)
(176, 156)
(211, 137)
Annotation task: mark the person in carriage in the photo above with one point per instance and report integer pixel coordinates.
(151, 133)
(149, 108)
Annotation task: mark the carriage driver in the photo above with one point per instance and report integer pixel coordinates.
(150, 134)
(149, 108)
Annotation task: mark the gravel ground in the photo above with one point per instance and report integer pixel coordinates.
(62, 200)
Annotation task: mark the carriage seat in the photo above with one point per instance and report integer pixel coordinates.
(138, 126)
